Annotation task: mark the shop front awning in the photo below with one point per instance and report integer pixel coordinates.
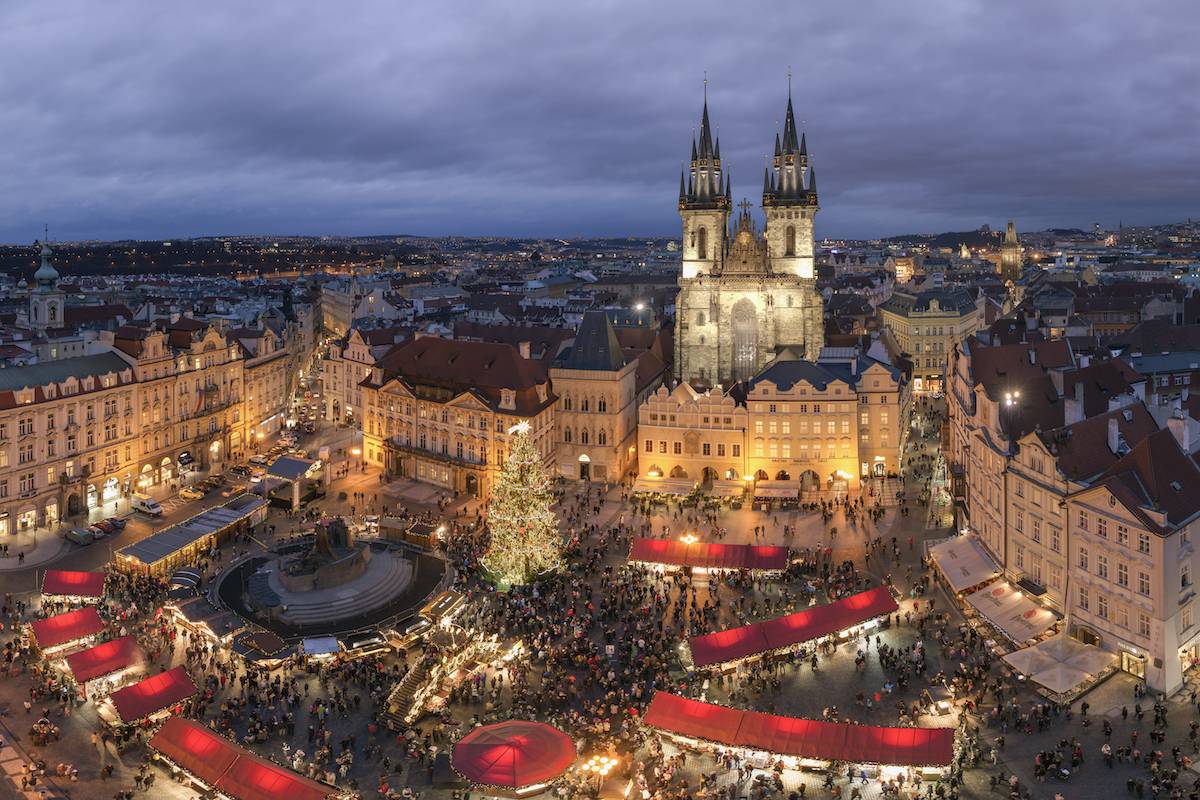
(65, 583)
(153, 694)
(801, 738)
(232, 770)
(776, 490)
(964, 562)
(66, 628)
(727, 489)
(1010, 610)
(708, 554)
(676, 486)
(105, 659)
(792, 629)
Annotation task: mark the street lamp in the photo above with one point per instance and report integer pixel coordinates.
(689, 538)
(1010, 398)
(600, 766)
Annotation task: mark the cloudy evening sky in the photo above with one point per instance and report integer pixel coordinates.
(158, 120)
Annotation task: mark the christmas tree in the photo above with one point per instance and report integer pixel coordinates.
(525, 541)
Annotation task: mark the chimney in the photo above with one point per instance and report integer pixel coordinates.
(1073, 408)
(1181, 428)
(1114, 436)
(524, 348)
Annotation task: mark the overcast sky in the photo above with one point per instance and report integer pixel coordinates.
(160, 120)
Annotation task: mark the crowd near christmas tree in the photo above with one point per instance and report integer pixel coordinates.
(545, 564)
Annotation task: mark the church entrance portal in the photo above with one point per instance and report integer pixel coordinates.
(744, 318)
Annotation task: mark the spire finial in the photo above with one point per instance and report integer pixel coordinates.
(705, 86)
(789, 80)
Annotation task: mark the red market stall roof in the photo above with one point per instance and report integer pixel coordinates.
(513, 754)
(234, 771)
(708, 554)
(104, 659)
(73, 584)
(793, 629)
(153, 694)
(66, 628)
(194, 747)
(254, 778)
(802, 738)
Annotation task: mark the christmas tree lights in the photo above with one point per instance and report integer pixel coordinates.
(525, 541)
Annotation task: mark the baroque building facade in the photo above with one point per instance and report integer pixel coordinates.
(746, 296)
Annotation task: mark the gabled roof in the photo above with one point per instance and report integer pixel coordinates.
(1101, 380)
(1081, 450)
(1156, 476)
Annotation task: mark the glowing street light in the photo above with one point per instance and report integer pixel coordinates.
(689, 538)
(1010, 398)
(599, 766)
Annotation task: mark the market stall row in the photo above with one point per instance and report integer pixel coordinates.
(793, 629)
(708, 554)
(800, 738)
(232, 770)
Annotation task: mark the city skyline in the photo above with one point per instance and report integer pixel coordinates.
(540, 121)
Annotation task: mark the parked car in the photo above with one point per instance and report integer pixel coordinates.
(117, 522)
(240, 471)
(191, 493)
(104, 525)
(258, 458)
(79, 536)
(146, 505)
(97, 532)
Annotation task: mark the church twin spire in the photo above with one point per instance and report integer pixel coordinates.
(704, 184)
(787, 180)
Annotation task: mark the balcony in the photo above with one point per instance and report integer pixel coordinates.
(436, 455)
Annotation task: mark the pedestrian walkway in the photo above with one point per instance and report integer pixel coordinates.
(41, 547)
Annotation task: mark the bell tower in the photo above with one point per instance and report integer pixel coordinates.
(790, 201)
(704, 203)
(46, 301)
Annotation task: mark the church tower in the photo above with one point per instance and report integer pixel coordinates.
(790, 202)
(1010, 254)
(747, 299)
(46, 300)
(703, 203)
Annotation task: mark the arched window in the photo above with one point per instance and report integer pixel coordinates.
(583, 436)
(52, 310)
(602, 405)
(702, 247)
(789, 241)
(601, 436)
(566, 404)
(583, 404)
(566, 435)
(700, 319)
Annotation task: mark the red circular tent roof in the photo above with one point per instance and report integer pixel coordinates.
(513, 754)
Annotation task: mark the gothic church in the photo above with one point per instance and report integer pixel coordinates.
(746, 296)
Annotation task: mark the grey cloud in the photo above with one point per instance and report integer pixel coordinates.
(146, 119)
